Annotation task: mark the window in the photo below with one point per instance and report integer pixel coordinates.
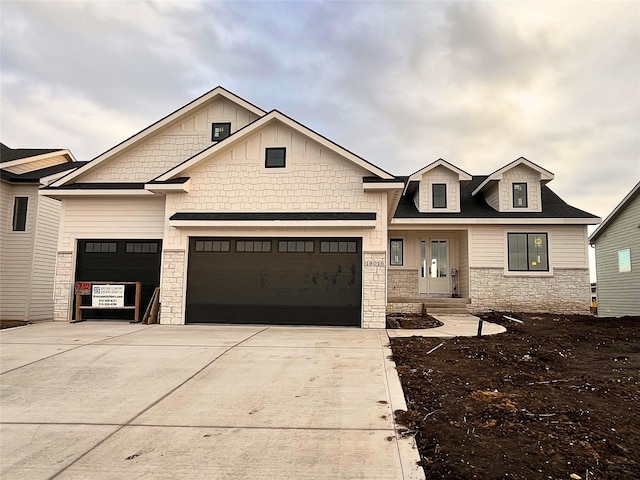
(528, 252)
(624, 260)
(20, 214)
(101, 247)
(275, 157)
(212, 245)
(396, 252)
(295, 246)
(439, 194)
(253, 246)
(220, 131)
(141, 247)
(338, 247)
(519, 195)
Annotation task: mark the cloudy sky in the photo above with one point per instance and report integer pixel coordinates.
(399, 83)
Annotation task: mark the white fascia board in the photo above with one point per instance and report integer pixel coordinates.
(271, 117)
(382, 186)
(169, 187)
(462, 175)
(44, 156)
(494, 221)
(272, 224)
(159, 125)
(61, 192)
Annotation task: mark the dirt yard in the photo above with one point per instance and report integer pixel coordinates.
(556, 397)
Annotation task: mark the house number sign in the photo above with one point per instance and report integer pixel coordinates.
(374, 263)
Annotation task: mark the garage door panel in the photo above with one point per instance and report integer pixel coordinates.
(278, 287)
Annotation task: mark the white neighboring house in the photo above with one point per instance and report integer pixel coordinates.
(617, 244)
(247, 216)
(29, 230)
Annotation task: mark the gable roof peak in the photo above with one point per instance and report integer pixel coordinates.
(545, 175)
(440, 162)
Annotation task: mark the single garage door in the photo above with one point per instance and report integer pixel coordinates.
(120, 261)
(280, 281)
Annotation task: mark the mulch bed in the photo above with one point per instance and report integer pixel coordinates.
(554, 397)
(412, 321)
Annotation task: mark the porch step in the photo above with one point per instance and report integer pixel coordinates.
(444, 311)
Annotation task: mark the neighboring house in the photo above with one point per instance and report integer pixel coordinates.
(29, 230)
(617, 244)
(242, 215)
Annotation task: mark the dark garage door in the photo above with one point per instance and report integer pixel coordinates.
(120, 261)
(275, 281)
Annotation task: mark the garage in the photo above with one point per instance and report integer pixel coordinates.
(281, 281)
(124, 260)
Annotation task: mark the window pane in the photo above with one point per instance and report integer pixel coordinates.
(88, 247)
(240, 246)
(624, 260)
(20, 214)
(275, 158)
(396, 252)
(517, 251)
(333, 247)
(199, 246)
(439, 191)
(353, 247)
(282, 246)
(519, 195)
(538, 251)
(324, 247)
(308, 247)
(145, 248)
(266, 246)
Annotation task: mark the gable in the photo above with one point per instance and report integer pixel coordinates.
(180, 140)
(315, 178)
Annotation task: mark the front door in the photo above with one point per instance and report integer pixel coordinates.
(434, 268)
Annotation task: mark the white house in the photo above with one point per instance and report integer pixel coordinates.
(29, 230)
(243, 215)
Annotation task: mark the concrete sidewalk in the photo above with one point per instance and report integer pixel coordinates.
(461, 325)
(114, 400)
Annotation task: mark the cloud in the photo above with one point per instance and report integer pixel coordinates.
(399, 83)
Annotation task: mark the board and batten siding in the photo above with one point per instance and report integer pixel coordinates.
(619, 292)
(110, 217)
(16, 254)
(567, 245)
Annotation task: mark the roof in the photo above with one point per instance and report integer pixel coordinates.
(476, 207)
(34, 176)
(8, 154)
(462, 175)
(610, 218)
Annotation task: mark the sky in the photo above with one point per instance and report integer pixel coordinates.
(401, 84)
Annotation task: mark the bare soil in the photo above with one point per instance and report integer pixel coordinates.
(554, 397)
(412, 321)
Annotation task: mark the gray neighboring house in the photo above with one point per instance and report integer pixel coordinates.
(617, 244)
(29, 225)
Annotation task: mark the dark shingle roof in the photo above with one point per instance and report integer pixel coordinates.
(34, 176)
(476, 207)
(8, 154)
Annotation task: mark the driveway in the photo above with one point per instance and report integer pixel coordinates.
(115, 400)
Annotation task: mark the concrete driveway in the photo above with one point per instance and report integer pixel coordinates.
(115, 400)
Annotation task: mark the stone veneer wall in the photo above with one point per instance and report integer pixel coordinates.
(406, 308)
(172, 286)
(374, 290)
(567, 291)
(62, 286)
(402, 283)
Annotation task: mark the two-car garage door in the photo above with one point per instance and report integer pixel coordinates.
(287, 281)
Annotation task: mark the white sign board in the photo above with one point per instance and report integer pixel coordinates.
(107, 296)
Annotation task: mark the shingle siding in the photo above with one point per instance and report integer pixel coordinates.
(619, 292)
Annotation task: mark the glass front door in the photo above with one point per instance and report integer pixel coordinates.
(434, 268)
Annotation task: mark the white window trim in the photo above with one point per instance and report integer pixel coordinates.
(274, 170)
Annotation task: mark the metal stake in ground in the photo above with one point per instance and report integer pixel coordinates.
(479, 327)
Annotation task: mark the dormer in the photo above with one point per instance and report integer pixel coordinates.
(515, 187)
(438, 189)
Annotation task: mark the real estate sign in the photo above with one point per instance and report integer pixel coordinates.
(107, 296)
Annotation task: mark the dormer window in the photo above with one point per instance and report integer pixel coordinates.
(275, 157)
(220, 131)
(519, 195)
(439, 195)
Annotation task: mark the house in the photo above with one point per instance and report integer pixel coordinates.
(29, 230)
(617, 245)
(241, 215)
